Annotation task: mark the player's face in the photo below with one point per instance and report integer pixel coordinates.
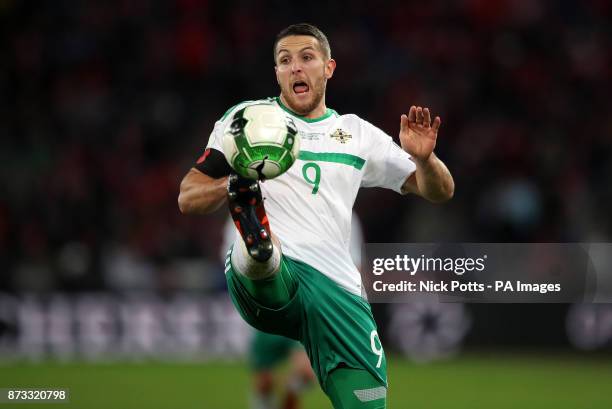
(302, 71)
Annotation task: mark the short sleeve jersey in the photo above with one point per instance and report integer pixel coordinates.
(309, 206)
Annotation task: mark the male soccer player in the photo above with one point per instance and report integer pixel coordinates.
(300, 282)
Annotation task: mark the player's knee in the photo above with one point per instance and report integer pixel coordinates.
(300, 381)
(305, 372)
(308, 375)
(264, 382)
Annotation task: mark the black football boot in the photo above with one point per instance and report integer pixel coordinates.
(249, 215)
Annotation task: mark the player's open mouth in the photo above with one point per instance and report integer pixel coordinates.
(300, 87)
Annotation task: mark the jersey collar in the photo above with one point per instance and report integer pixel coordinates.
(328, 112)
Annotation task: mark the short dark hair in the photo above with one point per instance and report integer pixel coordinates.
(304, 29)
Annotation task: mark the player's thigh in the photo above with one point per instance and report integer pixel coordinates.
(272, 305)
(349, 388)
(339, 329)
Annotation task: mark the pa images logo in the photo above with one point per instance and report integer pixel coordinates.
(341, 136)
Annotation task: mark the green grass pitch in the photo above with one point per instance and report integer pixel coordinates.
(487, 381)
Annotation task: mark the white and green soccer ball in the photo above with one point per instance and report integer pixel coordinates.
(261, 141)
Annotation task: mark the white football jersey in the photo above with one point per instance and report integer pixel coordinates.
(309, 206)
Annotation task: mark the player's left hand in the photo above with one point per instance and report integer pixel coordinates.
(417, 134)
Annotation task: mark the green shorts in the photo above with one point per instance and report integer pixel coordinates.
(335, 326)
(268, 350)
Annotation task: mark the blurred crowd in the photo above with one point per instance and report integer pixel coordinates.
(105, 105)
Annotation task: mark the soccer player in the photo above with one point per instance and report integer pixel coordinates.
(290, 272)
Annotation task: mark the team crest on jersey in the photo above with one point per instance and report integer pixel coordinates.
(341, 136)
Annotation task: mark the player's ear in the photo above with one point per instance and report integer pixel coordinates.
(276, 74)
(330, 67)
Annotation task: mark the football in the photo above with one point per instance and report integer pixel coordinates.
(261, 141)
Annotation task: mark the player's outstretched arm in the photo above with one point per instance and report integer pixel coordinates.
(201, 193)
(418, 135)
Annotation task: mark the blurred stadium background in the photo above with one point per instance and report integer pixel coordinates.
(107, 290)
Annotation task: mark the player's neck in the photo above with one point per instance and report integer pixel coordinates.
(318, 112)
